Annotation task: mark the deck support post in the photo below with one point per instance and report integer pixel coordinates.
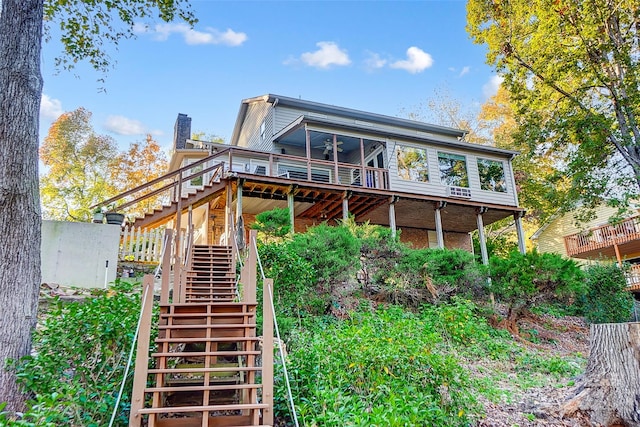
(392, 215)
(345, 205)
(517, 216)
(239, 201)
(267, 352)
(292, 213)
(481, 236)
(228, 214)
(439, 233)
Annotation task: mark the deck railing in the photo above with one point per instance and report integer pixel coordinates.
(603, 237)
(243, 160)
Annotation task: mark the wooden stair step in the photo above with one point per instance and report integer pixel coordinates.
(209, 353)
(189, 305)
(203, 388)
(217, 421)
(209, 408)
(201, 315)
(217, 339)
(208, 326)
(195, 370)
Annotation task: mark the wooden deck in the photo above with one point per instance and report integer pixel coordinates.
(606, 240)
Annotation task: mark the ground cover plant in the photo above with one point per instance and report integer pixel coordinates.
(78, 362)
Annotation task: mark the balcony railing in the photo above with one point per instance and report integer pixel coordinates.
(603, 237)
(633, 277)
(242, 160)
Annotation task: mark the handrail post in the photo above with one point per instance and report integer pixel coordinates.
(140, 374)
(267, 351)
(166, 267)
(249, 271)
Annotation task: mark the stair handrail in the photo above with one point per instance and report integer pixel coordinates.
(269, 292)
(142, 339)
(236, 254)
(216, 168)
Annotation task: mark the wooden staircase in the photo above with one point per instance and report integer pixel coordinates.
(212, 276)
(204, 368)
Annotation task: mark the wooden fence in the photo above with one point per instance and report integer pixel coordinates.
(141, 245)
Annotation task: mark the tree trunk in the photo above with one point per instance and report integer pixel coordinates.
(20, 92)
(610, 391)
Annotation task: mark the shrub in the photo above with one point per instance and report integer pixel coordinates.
(523, 281)
(295, 290)
(333, 252)
(432, 274)
(607, 299)
(80, 353)
(274, 224)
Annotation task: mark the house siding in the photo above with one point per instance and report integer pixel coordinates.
(250, 135)
(552, 238)
(436, 188)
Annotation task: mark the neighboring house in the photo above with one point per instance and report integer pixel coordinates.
(325, 162)
(594, 240)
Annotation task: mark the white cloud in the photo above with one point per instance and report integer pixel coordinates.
(491, 87)
(465, 70)
(121, 125)
(374, 61)
(327, 55)
(50, 108)
(194, 37)
(417, 61)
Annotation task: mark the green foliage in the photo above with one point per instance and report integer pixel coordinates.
(333, 252)
(80, 353)
(359, 373)
(86, 27)
(273, 225)
(295, 293)
(437, 274)
(525, 280)
(607, 299)
(573, 112)
(78, 163)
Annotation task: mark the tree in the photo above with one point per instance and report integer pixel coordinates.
(78, 162)
(141, 163)
(608, 391)
(523, 281)
(573, 72)
(537, 180)
(85, 25)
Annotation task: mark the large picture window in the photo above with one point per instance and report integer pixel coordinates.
(453, 169)
(412, 164)
(491, 175)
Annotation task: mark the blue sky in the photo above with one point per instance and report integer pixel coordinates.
(386, 57)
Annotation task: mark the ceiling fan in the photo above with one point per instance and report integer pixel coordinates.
(328, 146)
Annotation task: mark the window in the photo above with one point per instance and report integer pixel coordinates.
(453, 169)
(491, 175)
(263, 128)
(197, 181)
(412, 164)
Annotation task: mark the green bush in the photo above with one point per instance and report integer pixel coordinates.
(432, 275)
(523, 281)
(377, 369)
(273, 225)
(334, 252)
(607, 299)
(79, 356)
(295, 292)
